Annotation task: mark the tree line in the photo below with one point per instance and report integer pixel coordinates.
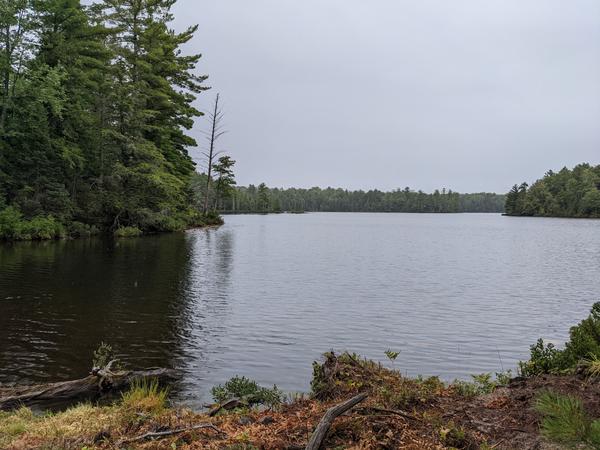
(567, 193)
(262, 199)
(95, 104)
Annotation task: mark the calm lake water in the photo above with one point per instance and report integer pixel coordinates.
(264, 296)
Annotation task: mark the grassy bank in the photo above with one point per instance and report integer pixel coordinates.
(398, 413)
(554, 403)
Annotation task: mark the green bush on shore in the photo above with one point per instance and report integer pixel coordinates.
(80, 230)
(14, 227)
(583, 345)
(247, 391)
(209, 219)
(127, 232)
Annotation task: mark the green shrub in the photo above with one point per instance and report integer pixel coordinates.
(10, 223)
(248, 391)
(211, 218)
(482, 384)
(127, 232)
(42, 228)
(584, 339)
(14, 227)
(79, 230)
(584, 343)
(166, 223)
(503, 378)
(544, 358)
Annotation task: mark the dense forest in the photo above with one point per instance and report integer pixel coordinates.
(567, 193)
(95, 104)
(262, 199)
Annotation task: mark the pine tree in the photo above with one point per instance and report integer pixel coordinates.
(512, 197)
(156, 88)
(95, 102)
(225, 179)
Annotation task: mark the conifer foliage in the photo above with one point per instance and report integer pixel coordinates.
(95, 104)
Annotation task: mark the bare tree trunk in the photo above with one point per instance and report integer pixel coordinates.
(211, 153)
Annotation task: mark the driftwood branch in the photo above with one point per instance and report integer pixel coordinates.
(163, 434)
(92, 387)
(320, 432)
(228, 405)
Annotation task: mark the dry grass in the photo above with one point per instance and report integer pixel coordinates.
(23, 429)
(592, 367)
(143, 409)
(145, 397)
(400, 413)
(83, 424)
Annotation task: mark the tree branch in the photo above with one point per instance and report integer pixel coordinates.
(332, 413)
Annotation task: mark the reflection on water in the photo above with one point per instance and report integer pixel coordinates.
(61, 299)
(265, 295)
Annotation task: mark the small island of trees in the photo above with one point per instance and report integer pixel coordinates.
(567, 193)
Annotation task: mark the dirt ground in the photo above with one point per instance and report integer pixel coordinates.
(399, 413)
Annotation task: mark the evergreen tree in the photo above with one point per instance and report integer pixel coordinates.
(263, 198)
(511, 200)
(567, 193)
(95, 106)
(225, 179)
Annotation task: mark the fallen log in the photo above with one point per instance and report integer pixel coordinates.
(100, 383)
(316, 440)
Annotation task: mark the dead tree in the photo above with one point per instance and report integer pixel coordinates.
(216, 118)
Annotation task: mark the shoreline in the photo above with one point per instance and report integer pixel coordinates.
(112, 235)
(394, 412)
(551, 217)
(354, 403)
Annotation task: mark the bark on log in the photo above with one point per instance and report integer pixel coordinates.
(228, 406)
(321, 431)
(92, 387)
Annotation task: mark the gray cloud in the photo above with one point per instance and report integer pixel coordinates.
(468, 94)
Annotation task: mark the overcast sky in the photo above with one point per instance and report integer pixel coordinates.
(472, 95)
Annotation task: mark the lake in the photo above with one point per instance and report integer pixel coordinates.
(264, 296)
